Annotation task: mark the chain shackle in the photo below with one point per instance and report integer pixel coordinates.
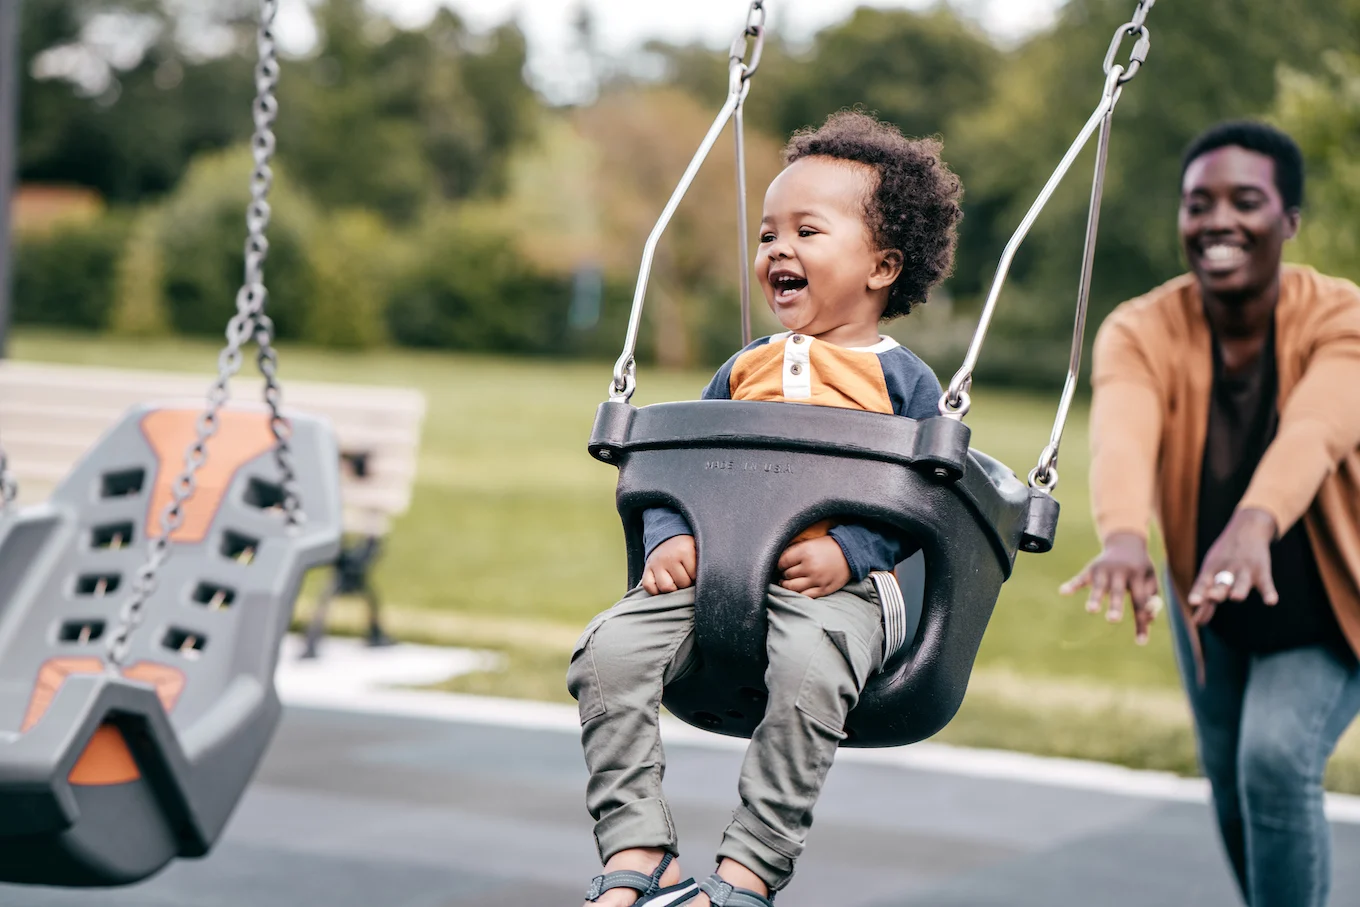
(748, 46)
(1137, 57)
(1137, 26)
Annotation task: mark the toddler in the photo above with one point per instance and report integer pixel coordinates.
(855, 230)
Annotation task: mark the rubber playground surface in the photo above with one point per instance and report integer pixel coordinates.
(412, 799)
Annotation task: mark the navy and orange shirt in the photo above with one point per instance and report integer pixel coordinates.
(795, 368)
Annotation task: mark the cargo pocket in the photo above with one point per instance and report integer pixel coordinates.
(831, 685)
(583, 681)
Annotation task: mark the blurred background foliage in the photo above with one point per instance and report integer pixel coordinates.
(428, 197)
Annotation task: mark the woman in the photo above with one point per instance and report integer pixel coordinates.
(1228, 400)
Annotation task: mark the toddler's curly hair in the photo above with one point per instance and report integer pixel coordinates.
(915, 206)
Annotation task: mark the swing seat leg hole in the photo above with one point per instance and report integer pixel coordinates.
(97, 585)
(239, 548)
(267, 496)
(80, 632)
(112, 537)
(187, 643)
(214, 597)
(122, 484)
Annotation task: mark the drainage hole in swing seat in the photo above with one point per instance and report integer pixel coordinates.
(97, 584)
(239, 548)
(121, 484)
(112, 537)
(264, 495)
(708, 720)
(81, 631)
(735, 715)
(186, 642)
(214, 597)
(753, 696)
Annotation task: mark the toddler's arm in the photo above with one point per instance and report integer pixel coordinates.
(660, 524)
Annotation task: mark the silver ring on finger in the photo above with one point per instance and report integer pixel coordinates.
(1225, 578)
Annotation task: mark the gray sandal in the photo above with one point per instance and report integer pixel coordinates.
(648, 887)
(723, 894)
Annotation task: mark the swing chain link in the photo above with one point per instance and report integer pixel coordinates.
(751, 41)
(9, 489)
(1138, 56)
(250, 321)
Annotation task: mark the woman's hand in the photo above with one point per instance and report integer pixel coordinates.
(1122, 568)
(673, 565)
(1237, 563)
(815, 567)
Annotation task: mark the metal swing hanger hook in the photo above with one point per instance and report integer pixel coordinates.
(752, 39)
(1138, 56)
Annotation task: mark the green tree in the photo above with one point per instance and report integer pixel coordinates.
(390, 119)
(1211, 60)
(126, 127)
(917, 70)
(1322, 112)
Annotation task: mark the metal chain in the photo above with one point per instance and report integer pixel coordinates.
(751, 41)
(752, 38)
(9, 489)
(956, 401)
(249, 322)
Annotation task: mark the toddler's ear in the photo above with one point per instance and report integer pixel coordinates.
(886, 269)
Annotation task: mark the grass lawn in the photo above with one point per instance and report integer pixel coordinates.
(512, 543)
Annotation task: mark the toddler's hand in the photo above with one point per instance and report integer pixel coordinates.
(815, 567)
(673, 565)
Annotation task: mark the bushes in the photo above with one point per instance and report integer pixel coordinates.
(340, 279)
(65, 276)
(201, 232)
(470, 289)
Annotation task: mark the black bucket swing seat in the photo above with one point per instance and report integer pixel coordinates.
(748, 476)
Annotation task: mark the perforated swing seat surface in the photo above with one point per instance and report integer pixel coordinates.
(749, 476)
(104, 778)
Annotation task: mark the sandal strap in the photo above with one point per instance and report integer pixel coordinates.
(628, 878)
(724, 894)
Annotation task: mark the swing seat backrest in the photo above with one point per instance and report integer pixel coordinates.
(749, 476)
(104, 777)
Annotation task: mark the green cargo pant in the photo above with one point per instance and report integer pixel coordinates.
(821, 653)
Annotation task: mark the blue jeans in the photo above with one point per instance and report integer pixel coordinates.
(1267, 725)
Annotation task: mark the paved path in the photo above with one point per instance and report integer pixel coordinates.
(479, 803)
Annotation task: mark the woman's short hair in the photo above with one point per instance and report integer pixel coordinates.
(1263, 139)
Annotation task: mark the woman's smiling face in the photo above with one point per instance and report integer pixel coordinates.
(817, 263)
(1233, 221)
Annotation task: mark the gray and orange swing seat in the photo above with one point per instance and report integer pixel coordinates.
(107, 775)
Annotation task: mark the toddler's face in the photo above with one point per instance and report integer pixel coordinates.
(817, 262)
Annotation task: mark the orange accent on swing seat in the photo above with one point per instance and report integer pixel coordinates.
(107, 759)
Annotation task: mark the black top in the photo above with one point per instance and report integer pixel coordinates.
(1243, 418)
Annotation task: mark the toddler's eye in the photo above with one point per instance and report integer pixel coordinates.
(767, 237)
(806, 232)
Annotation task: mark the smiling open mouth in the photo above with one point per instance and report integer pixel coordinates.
(786, 286)
(1223, 256)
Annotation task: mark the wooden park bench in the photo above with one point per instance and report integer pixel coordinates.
(50, 415)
